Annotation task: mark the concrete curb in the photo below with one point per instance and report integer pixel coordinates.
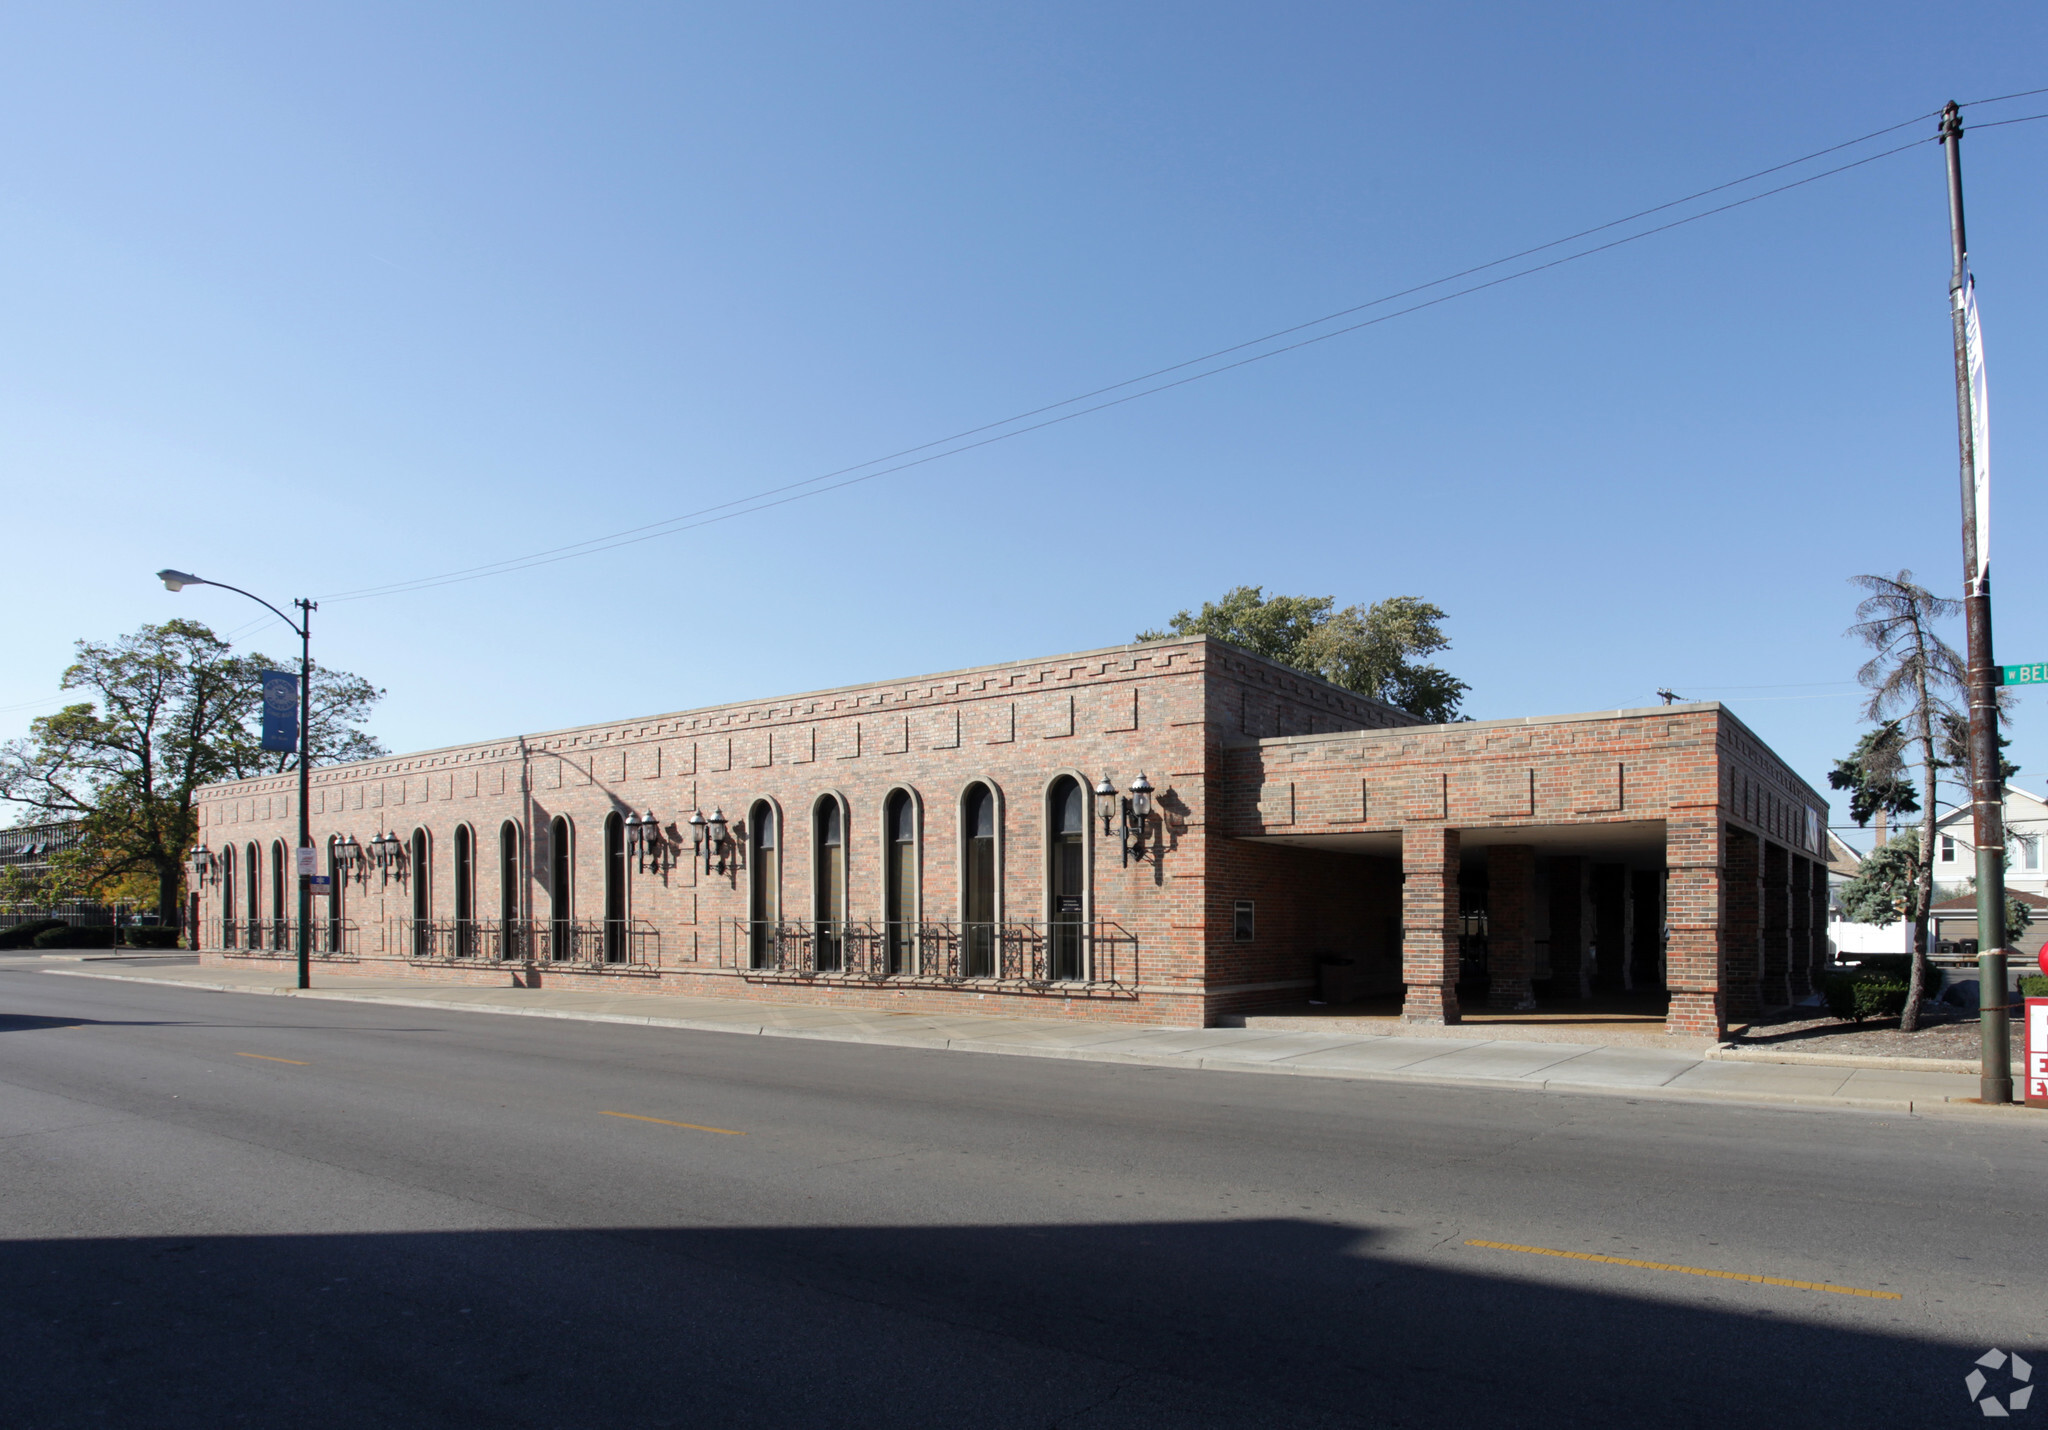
(1134, 1058)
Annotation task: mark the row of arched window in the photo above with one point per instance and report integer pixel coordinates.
(830, 903)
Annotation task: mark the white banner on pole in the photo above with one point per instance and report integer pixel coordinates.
(1980, 427)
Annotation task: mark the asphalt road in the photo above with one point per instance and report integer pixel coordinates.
(225, 1210)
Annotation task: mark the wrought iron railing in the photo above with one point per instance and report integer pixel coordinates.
(1098, 955)
(597, 943)
(277, 938)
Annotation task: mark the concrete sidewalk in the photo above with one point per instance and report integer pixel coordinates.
(1690, 1073)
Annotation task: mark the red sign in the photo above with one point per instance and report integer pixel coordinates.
(2037, 1052)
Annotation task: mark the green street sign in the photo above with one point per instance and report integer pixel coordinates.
(2036, 674)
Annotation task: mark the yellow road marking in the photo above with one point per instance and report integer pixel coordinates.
(693, 1126)
(269, 1059)
(1691, 1270)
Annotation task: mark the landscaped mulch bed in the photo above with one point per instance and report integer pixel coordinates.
(1809, 1030)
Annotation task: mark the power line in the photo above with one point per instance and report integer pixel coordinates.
(816, 486)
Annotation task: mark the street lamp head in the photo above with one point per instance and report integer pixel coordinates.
(178, 580)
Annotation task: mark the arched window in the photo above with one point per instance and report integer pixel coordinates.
(227, 897)
(614, 888)
(899, 879)
(252, 896)
(764, 884)
(1067, 822)
(978, 882)
(422, 895)
(508, 891)
(465, 891)
(337, 883)
(278, 940)
(828, 882)
(561, 886)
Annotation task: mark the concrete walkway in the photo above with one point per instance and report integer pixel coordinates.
(1689, 1073)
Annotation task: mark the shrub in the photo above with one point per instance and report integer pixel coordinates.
(2033, 985)
(1879, 997)
(82, 936)
(150, 936)
(1856, 996)
(22, 935)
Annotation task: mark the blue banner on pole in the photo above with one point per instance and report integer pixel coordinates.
(280, 710)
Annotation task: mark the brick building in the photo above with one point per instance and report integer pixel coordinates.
(977, 841)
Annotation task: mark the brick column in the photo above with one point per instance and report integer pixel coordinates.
(1693, 907)
(1429, 924)
(1510, 893)
(1775, 922)
(1802, 927)
(1741, 937)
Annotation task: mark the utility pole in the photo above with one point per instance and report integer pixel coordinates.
(1987, 789)
(306, 609)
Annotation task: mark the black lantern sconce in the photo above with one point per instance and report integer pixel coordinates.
(387, 856)
(713, 842)
(204, 865)
(646, 843)
(1135, 810)
(349, 860)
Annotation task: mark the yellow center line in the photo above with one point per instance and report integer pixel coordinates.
(1691, 1270)
(269, 1059)
(693, 1126)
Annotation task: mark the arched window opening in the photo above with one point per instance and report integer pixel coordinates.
(278, 939)
(899, 880)
(614, 888)
(465, 891)
(508, 891)
(227, 897)
(764, 884)
(252, 896)
(561, 886)
(422, 896)
(1069, 882)
(337, 885)
(978, 883)
(828, 887)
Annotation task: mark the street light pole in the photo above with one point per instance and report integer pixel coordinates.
(1987, 785)
(303, 629)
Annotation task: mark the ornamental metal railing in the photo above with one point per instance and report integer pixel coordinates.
(594, 943)
(274, 938)
(1098, 954)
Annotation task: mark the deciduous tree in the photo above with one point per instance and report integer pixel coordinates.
(1376, 650)
(170, 708)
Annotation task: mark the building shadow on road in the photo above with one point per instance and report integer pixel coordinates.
(1183, 1324)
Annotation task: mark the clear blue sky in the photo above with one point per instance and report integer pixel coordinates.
(314, 297)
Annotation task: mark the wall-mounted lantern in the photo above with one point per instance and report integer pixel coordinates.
(349, 860)
(205, 867)
(1135, 809)
(387, 856)
(646, 843)
(713, 842)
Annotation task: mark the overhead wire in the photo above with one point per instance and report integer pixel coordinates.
(1019, 424)
(756, 502)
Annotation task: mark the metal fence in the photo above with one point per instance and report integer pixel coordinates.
(85, 913)
(597, 943)
(1097, 955)
(274, 938)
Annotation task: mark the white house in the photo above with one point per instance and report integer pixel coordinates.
(2026, 828)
